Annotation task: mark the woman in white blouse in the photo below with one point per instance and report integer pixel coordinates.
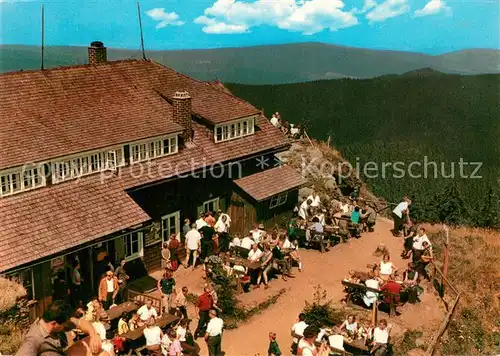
(153, 336)
(370, 297)
(387, 267)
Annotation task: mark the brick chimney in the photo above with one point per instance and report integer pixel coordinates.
(97, 53)
(181, 103)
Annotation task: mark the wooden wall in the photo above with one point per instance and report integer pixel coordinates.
(243, 214)
(152, 257)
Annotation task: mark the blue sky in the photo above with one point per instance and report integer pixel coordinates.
(430, 26)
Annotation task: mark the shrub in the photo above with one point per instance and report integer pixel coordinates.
(321, 312)
(11, 292)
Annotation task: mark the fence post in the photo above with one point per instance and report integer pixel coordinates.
(446, 256)
(374, 312)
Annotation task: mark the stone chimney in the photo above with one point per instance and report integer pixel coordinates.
(181, 103)
(97, 53)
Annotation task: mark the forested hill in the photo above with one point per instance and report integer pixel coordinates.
(269, 64)
(422, 116)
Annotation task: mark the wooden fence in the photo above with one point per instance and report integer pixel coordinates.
(439, 277)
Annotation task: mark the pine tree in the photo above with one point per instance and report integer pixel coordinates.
(490, 213)
(451, 207)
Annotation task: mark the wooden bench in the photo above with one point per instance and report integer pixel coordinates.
(136, 337)
(141, 299)
(356, 292)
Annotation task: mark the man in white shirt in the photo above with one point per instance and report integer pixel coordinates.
(201, 221)
(274, 120)
(257, 232)
(213, 335)
(380, 338)
(193, 238)
(247, 242)
(418, 241)
(315, 200)
(255, 253)
(398, 215)
(304, 209)
(147, 311)
(418, 245)
(298, 331)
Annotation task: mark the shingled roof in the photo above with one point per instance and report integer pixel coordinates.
(41, 223)
(58, 112)
(264, 185)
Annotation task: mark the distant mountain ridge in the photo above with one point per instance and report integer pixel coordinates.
(271, 64)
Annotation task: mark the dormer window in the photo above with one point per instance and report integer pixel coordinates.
(21, 179)
(235, 129)
(92, 162)
(153, 148)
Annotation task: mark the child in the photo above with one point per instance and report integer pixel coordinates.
(352, 278)
(365, 331)
(274, 349)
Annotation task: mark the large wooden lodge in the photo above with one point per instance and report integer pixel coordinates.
(94, 155)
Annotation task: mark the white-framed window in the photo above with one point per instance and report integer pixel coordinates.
(278, 200)
(132, 245)
(153, 148)
(110, 160)
(25, 278)
(234, 129)
(211, 205)
(170, 224)
(21, 179)
(88, 163)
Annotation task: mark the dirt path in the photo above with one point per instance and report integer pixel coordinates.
(326, 270)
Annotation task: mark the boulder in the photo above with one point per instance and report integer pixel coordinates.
(304, 193)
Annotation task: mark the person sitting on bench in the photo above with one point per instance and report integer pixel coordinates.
(281, 261)
(411, 281)
(356, 221)
(317, 231)
(391, 290)
(371, 297)
(380, 337)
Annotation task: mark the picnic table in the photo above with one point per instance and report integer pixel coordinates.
(246, 263)
(163, 321)
(116, 312)
(358, 344)
(136, 339)
(357, 291)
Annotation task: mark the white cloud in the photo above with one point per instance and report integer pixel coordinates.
(387, 10)
(164, 18)
(306, 16)
(433, 7)
(368, 5)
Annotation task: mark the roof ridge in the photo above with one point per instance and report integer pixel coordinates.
(204, 82)
(76, 66)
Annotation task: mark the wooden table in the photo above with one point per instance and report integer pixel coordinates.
(246, 263)
(356, 344)
(144, 284)
(161, 322)
(116, 312)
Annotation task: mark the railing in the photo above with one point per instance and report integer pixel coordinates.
(442, 275)
(137, 297)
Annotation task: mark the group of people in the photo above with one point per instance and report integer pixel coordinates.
(313, 340)
(289, 129)
(333, 222)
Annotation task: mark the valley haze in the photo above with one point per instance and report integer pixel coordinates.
(269, 64)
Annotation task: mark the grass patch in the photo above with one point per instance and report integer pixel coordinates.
(408, 342)
(474, 270)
